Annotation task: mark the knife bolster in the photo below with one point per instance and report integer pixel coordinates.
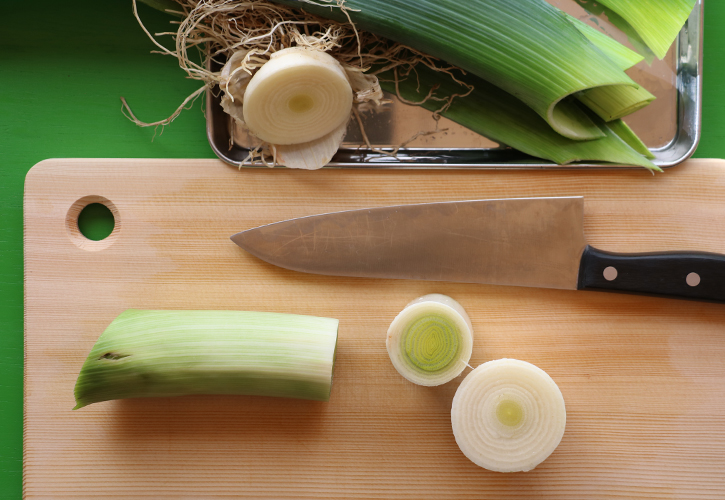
(682, 275)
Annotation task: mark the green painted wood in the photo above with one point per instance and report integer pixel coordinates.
(64, 67)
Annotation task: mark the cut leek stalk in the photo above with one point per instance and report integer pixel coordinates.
(622, 56)
(298, 96)
(508, 416)
(657, 21)
(172, 353)
(527, 47)
(431, 340)
(501, 117)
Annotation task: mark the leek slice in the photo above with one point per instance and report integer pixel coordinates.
(657, 21)
(508, 416)
(501, 117)
(527, 48)
(431, 340)
(298, 96)
(622, 56)
(173, 353)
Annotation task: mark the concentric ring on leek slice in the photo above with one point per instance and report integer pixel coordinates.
(431, 340)
(508, 416)
(298, 96)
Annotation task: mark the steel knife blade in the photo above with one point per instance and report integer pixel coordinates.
(535, 242)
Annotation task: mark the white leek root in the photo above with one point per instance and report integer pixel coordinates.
(431, 340)
(508, 416)
(298, 96)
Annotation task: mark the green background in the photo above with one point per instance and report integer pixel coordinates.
(63, 67)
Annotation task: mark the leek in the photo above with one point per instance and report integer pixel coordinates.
(657, 21)
(173, 353)
(527, 47)
(431, 340)
(508, 416)
(622, 56)
(501, 117)
(598, 10)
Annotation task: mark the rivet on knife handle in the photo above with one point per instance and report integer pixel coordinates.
(684, 275)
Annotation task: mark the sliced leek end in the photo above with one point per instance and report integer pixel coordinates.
(314, 154)
(298, 96)
(146, 353)
(431, 340)
(508, 416)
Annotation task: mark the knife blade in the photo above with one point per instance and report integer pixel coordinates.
(535, 242)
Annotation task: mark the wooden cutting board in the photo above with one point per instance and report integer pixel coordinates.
(643, 378)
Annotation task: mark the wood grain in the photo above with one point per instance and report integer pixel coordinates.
(643, 378)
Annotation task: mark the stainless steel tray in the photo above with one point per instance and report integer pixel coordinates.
(670, 126)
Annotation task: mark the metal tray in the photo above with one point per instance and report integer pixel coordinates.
(670, 126)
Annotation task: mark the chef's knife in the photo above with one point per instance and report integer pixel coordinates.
(536, 242)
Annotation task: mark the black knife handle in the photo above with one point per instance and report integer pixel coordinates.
(680, 275)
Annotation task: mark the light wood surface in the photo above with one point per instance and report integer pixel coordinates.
(643, 378)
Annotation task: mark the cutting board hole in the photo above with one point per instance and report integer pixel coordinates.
(96, 222)
(93, 223)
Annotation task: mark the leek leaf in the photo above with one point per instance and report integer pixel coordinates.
(501, 117)
(625, 133)
(622, 56)
(657, 21)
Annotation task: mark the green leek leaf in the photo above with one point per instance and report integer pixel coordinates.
(627, 135)
(622, 56)
(501, 117)
(615, 101)
(657, 21)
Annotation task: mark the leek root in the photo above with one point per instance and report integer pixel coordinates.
(508, 416)
(430, 341)
(174, 353)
